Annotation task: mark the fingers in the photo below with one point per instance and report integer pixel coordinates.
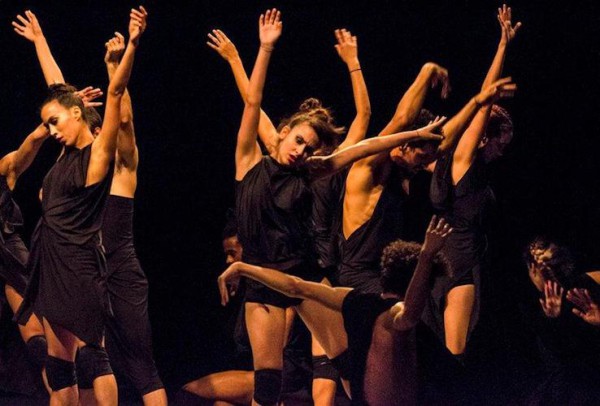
(432, 223)
(223, 290)
(578, 313)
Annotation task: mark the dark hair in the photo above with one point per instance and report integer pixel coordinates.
(500, 123)
(94, 119)
(230, 229)
(399, 261)
(424, 118)
(560, 267)
(321, 119)
(65, 95)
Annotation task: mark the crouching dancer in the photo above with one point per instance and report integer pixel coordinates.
(381, 360)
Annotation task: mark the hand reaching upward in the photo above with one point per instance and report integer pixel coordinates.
(269, 28)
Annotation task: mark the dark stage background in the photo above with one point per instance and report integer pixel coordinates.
(187, 110)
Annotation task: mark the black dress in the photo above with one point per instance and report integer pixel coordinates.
(128, 333)
(273, 207)
(360, 253)
(466, 206)
(68, 280)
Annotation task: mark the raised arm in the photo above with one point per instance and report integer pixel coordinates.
(289, 285)
(324, 165)
(453, 129)
(29, 28)
(226, 48)
(347, 49)
(247, 152)
(105, 145)
(12, 165)
(468, 144)
(126, 146)
(419, 286)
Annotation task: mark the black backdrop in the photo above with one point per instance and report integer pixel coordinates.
(187, 110)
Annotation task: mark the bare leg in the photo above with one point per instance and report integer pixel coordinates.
(235, 387)
(62, 344)
(457, 316)
(266, 330)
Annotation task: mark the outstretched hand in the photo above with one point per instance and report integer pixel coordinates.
(114, 49)
(229, 282)
(137, 24)
(586, 308)
(436, 235)
(505, 19)
(502, 88)
(552, 301)
(223, 45)
(347, 46)
(269, 28)
(87, 94)
(426, 132)
(29, 27)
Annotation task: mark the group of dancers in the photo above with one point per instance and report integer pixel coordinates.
(322, 236)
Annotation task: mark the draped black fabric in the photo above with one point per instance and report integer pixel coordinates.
(68, 282)
(273, 208)
(360, 253)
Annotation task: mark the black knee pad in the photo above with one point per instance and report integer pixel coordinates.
(342, 364)
(60, 373)
(38, 350)
(323, 368)
(267, 385)
(92, 362)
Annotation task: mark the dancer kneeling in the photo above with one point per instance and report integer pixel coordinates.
(380, 360)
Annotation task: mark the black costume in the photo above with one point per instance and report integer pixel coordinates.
(68, 280)
(466, 206)
(360, 254)
(360, 311)
(273, 207)
(128, 334)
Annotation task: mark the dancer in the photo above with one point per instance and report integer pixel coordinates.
(71, 295)
(460, 192)
(13, 252)
(326, 192)
(380, 327)
(272, 205)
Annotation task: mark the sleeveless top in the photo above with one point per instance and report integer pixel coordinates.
(360, 254)
(466, 207)
(273, 207)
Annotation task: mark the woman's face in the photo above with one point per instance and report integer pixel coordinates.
(63, 123)
(493, 148)
(297, 144)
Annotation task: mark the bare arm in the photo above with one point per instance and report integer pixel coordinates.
(29, 28)
(469, 141)
(247, 152)
(224, 47)
(105, 145)
(325, 165)
(15, 163)
(457, 124)
(126, 144)
(347, 49)
(419, 286)
(289, 285)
